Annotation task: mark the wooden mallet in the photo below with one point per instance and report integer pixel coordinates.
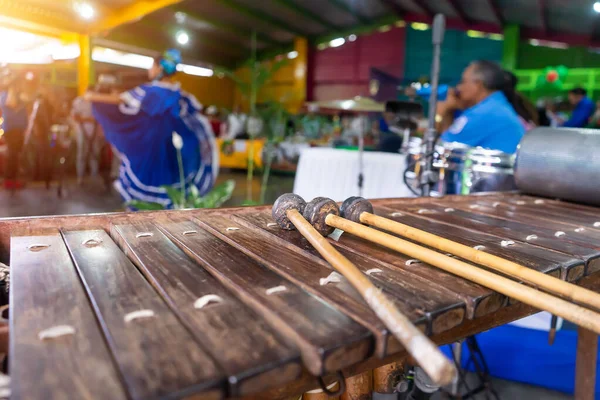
(360, 210)
(325, 222)
(288, 210)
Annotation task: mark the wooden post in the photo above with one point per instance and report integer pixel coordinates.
(84, 64)
(359, 387)
(300, 68)
(387, 377)
(510, 48)
(585, 368)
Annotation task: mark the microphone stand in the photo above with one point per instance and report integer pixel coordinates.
(427, 175)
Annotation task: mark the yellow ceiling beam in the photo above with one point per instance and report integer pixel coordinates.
(131, 13)
(29, 25)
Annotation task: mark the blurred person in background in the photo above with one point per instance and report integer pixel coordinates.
(160, 134)
(311, 123)
(236, 124)
(89, 136)
(214, 118)
(477, 113)
(555, 115)
(13, 104)
(523, 107)
(41, 120)
(595, 120)
(584, 109)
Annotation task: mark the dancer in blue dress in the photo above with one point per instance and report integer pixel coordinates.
(146, 123)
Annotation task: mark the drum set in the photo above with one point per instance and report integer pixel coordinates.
(461, 169)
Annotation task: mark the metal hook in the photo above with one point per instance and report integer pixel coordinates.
(341, 385)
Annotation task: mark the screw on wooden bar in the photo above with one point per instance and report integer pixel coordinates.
(373, 271)
(56, 331)
(333, 277)
(37, 247)
(206, 300)
(144, 234)
(275, 289)
(91, 242)
(132, 316)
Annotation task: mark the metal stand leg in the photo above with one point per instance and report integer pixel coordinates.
(585, 368)
(481, 369)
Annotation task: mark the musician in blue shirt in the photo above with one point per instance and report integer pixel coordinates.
(584, 108)
(141, 124)
(478, 114)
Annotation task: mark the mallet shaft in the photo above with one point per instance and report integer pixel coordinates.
(549, 283)
(571, 312)
(437, 366)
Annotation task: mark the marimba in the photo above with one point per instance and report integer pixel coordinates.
(222, 303)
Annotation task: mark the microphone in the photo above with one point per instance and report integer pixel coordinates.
(439, 28)
(427, 178)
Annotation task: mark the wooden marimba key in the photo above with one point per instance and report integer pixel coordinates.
(222, 303)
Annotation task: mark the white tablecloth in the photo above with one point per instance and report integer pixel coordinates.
(333, 173)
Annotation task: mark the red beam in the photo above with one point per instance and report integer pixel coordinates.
(497, 12)
(460, 11)
(542, 7)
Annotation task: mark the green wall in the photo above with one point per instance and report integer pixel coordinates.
(538, 57)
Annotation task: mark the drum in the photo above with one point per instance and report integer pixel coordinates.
(449, 160)
(463, 169)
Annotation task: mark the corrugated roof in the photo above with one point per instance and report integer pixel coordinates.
(220, 30)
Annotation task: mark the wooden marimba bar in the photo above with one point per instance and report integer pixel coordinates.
(224, 303)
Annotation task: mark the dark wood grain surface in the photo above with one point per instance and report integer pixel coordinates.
(164, 356)
(309, 324)
(582, 243)
(478, 299)
(571, 216)
(545, 245)
(157, 355)
(443, 308)
(305, 271)
(564, 220)
(46, 292)
(255, 357)
(554, 204)
(521, 252)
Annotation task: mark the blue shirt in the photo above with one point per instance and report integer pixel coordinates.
(581, 114)
(491, 124)
(14, 118)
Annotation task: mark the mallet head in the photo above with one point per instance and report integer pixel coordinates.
(317, 210)
(354, 206)
(288, 201)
